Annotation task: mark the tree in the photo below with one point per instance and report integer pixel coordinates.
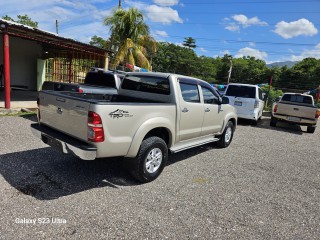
(99, 42)
(130, 36)
(189, 42)
(22, 19)
(175, 59)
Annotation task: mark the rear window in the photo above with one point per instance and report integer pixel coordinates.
(147, 84)
(241, 91)
(297, 98)
(100, 79)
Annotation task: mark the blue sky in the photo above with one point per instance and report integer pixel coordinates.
(271, 30)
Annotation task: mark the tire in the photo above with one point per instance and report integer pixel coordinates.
(311, 129)
(254, 122)
(150, 161)
(226, 137)
(273, 122)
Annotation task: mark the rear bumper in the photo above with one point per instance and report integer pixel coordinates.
(63, 142)
(253, 115)
(302, 122)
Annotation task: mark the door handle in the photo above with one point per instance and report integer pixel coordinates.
(207, 110)
(185, 110)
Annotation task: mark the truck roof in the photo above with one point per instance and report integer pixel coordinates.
(244, 84)
(166, 75)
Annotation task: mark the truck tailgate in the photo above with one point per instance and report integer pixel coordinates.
(68, 115)
(300, 111)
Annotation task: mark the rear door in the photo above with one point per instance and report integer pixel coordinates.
(64, 114)
(213, 112)
(242, 97)
(191, 111)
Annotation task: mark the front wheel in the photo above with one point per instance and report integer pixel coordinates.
(150, 161)
(227, 136)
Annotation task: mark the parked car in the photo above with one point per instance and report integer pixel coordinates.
(247, 99)
(97, 80)
(153, 113)
(296, 108)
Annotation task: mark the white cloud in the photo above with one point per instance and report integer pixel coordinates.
(236, 21)
(252, 44)
(166, 2)
(233, 27)
(243, 52)
(165, 15)
(315, 53)
(247, 22)
(296, 28)
(162, 33)
(203, 50)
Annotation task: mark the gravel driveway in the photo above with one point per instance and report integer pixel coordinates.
(266, 185)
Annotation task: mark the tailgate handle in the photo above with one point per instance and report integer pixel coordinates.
(297, 109)
(60, 99)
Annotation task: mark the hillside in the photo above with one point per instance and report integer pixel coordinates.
(289, 64)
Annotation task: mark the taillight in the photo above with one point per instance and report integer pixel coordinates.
(317, 113)
(80, 90)
(256, 104)
(95, 128)
(275, 109)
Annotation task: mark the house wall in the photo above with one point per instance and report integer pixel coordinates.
(23, 62)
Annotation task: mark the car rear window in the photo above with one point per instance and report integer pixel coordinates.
(241, 91)
(149, 84)
(297, 98)
(100, 79)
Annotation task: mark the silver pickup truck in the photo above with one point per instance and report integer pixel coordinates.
(154, 113)
(295, 108)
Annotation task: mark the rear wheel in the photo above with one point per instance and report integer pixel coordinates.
(150, 161)
(227, 136)
(311, 129)
(273, 122)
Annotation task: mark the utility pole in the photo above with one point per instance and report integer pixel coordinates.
(230, 70)
(57, 26)
(119, 4)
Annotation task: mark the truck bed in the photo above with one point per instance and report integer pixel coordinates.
(67, 112)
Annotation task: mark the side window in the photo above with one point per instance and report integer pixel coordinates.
(190, 92)
(208, 96)
(260, 94)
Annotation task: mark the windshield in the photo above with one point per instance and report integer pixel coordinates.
(297, 98)
(241, 91)
(100, 79)
(147, 84)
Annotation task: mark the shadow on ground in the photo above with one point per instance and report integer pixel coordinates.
(47, 174)
(281, 126)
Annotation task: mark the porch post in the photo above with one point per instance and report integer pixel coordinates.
(6, 69)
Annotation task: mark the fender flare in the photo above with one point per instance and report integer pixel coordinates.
(147, 126)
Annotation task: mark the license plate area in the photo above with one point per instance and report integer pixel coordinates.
(52, 142)
(294, 119)
(237, 103)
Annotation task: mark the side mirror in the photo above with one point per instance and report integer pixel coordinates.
(225, 100)
(277, 99)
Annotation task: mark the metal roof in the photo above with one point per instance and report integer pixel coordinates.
(48, 38)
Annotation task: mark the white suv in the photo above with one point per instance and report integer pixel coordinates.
(247, 99)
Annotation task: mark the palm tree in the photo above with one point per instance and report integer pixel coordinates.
(130, 36)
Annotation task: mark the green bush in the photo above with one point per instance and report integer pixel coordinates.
(274, 93)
